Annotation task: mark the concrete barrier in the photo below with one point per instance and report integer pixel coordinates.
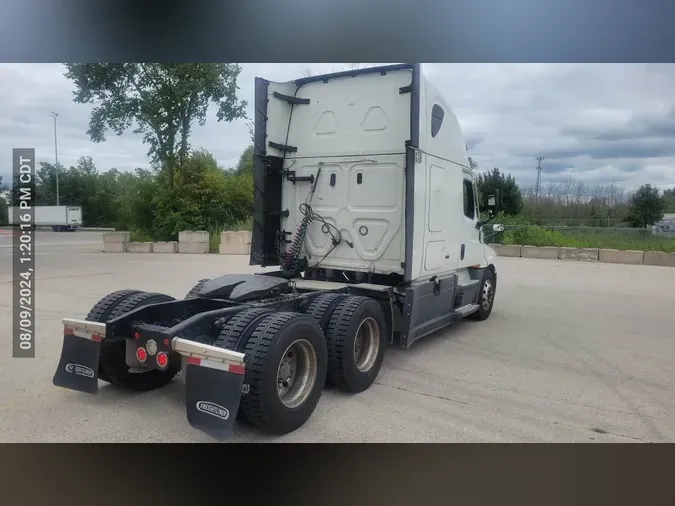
(615, 256)
(115, 247)
(139, 247)
(116, 242)
(234, 249)
(659, 258)
(579, 254)
(633, 257)
(193, 242)
(188, 236)
(165, 247)
(240, 237)
(195, 248)
(235, 243)
(113, 237)
(506, 250)
(548, 252)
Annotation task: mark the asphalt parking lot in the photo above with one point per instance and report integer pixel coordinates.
(573, 352)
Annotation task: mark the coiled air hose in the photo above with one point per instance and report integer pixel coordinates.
(289, 264)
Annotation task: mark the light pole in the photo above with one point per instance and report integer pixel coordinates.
(56, 158)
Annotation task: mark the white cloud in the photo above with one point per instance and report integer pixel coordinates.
(592, 122)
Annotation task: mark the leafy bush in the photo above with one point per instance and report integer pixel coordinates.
(211, 203)
(536, 236)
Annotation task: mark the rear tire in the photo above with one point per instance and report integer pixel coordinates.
(486, 296)
(322, 307)
(195, 289)
(113, 353)
(238, 330)
(285, 372)
(356, 343)
(100, 312)
(236, 333)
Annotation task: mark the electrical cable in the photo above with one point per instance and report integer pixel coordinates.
(291, 258)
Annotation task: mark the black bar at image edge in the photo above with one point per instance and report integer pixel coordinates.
(23, 253)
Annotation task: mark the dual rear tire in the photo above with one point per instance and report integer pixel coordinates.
(112, 360)
(339, 339)
(287, 358)
(354, 328)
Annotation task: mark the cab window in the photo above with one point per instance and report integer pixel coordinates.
(469, 201)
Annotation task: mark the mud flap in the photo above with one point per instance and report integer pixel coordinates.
(78, 366)
(212, 394)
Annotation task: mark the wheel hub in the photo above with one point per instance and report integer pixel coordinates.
(366, 344)
(487, 295)
(296, 374)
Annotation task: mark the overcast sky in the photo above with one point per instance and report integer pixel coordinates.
(592, 122)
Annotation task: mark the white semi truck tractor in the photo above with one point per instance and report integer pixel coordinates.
(366, 204)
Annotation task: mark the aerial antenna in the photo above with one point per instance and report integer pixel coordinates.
(537, 188)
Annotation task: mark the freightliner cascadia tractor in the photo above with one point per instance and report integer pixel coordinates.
(366, 220)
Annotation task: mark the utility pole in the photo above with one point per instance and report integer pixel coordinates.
(56, 158)
(539, 169)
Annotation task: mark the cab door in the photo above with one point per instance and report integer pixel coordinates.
(471, 251)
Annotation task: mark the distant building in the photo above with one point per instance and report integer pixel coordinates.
(666, 226)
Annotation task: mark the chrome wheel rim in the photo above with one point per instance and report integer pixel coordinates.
(366, 344)
(296, 374)
(487, 295)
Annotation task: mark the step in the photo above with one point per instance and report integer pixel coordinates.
(466, 309)
(469, 283)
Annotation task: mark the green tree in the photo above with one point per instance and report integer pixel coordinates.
(4, 213)
(45, 183)
(646, 207)
(669, 197)
(162, 100)
(81, 185)
(210, 199)
(511, 198)
(137, 192)
(245, 164)
(3, 204)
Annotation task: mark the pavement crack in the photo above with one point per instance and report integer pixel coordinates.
(608, 381)
(441, 397)
(603, 431)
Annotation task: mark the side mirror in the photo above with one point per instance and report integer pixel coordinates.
(492, 208)
(493, 203)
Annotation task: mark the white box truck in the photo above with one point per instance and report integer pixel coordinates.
(60, 218)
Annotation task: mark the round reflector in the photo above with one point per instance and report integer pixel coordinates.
(141, 354)
(151, 345)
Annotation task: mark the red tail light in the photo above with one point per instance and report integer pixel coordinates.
(141, 354)
(162, 359)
